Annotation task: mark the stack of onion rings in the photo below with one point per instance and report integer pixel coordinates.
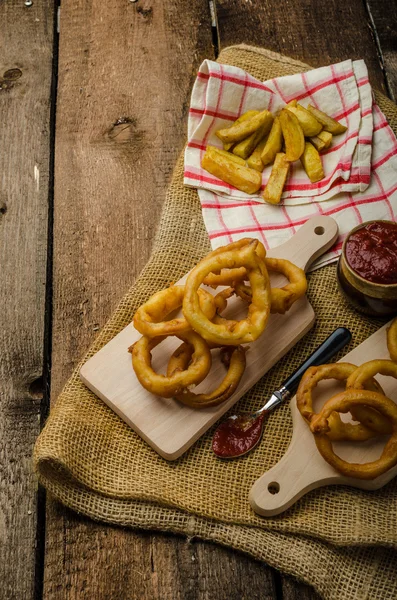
(221, 331)
(339, 430)
(173, 384)
(364, 399)
(345, 402)
(235, 362)
(202, 328)
(228, 276)
(281, 298)
(149, 319)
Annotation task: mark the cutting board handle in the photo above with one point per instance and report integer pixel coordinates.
(311, 240)
(290, 479)
(302, 468)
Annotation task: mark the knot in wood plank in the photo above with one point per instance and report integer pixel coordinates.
(124, 130)
(146, 13)
(9, 77)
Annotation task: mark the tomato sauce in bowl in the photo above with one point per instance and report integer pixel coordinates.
(371, 251)
(367, 268)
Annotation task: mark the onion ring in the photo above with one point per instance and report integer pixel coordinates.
(392, 340)
(167, 387)
(362, 374)
(149, 319)
(371, 423)
(221, 299)
(230, 333)
(229, 276)
(345, 402)
(236, 367)
(281, 298)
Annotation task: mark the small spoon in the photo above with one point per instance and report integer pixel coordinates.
(239, 434)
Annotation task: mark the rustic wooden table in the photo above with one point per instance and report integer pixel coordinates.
(91, 123)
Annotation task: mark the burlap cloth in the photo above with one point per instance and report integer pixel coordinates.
(338, 539)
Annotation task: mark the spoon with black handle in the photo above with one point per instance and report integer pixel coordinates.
(239, 434)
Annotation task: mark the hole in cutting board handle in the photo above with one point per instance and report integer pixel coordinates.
(319, 230)
(274, 487)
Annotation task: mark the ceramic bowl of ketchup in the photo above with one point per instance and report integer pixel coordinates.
(367, 268)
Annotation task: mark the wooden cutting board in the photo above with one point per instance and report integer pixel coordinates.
(166, 425)
(302, 467)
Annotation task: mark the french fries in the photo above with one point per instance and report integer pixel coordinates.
(242, 130)
(273, 144)
(245, 117)
(311, 162)
(293, 135)
(245, 148)
(255, 161)
(257, 139)
(229, 155)
(277, 179)
(321, 141)
(244, 179)
(328, 123)
(317, 142)
(310, 125)
(326, 137)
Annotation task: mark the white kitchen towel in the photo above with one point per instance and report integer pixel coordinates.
(360, 167)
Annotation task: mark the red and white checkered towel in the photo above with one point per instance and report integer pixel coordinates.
(360, 167)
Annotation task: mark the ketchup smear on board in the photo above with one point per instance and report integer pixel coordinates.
(236, 437)
(372, 252)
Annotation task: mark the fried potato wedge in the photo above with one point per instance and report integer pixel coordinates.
(326, 137)
(311, 162)
(328, 123)
(236, 159)
(321, 141)
(245, 117)
(226, 168)
(310, 125)
(254, 161)
(317, 142)
(246, 147)
(273, 143)
(277, 179)
(293, 135)
(292, 103)
(239, 132)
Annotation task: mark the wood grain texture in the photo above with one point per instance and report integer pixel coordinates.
(317, 32)
(145, 566)
(121, 123)
(125, 77)
(383, 19)
(25, 87)
(291, 589)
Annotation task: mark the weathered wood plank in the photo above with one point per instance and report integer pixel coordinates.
(383, 19)
(26, 39)
(121, 122)
(291, 589)
(102, 562)
(319, 33)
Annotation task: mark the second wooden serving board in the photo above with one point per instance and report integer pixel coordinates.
(302, 467)
(165, 424)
